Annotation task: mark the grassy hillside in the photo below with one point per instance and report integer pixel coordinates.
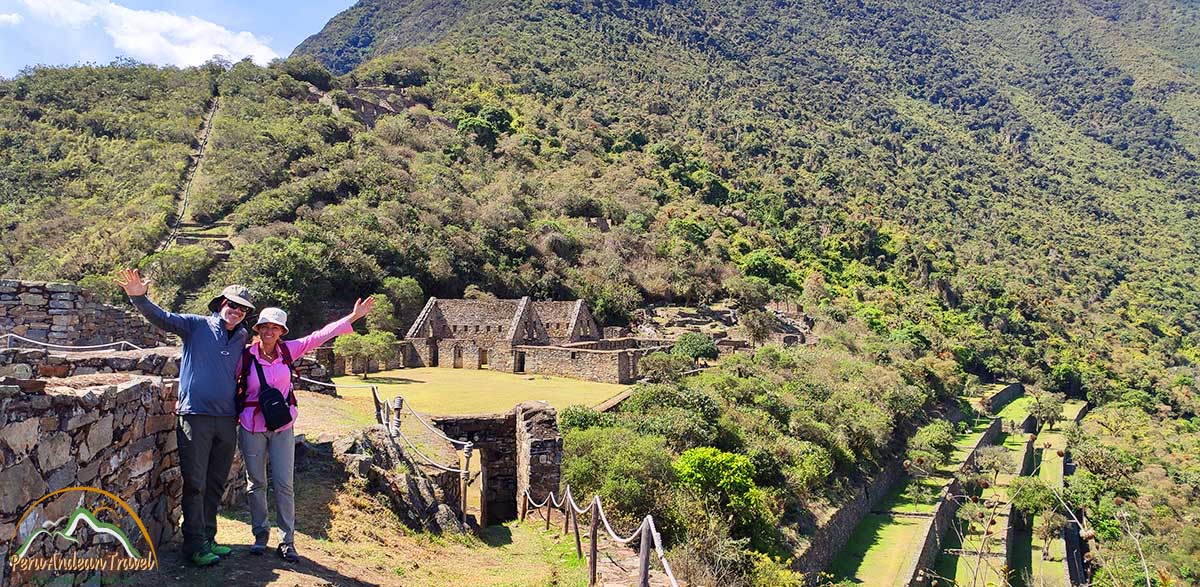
(1005, 190)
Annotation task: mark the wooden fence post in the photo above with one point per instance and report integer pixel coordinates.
(592, 547)
(644, 556)
(549, 504)
(524, 505)
(578, 546)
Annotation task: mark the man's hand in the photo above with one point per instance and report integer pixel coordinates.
(132, 283)
(362, 308)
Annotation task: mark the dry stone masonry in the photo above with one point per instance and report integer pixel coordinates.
(64, 314)
(114, 432)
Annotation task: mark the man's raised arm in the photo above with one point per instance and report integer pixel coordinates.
(131, 281)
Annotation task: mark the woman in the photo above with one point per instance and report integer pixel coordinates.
(259, 442)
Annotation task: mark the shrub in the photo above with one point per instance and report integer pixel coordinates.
(663, 368)
(630, 472)
(695, 346)
(581, 417)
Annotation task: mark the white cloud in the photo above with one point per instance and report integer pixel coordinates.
(155, 36)
(13, 19)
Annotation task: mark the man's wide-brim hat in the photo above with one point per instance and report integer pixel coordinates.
(234, 293)
(272, 316)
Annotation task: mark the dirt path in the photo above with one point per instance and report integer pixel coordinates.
(194, 163)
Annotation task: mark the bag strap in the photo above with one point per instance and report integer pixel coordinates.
(243, 379)
(286, 355)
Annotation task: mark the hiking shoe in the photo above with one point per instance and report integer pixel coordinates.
(287, 552)
(204, 558)
(258, 549)
(217, 549)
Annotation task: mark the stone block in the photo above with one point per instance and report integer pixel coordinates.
(54, 451)
(32, 299)
(20, 436)
(17, 370)
(88, 473)
(62, 288)
(61, 305)
(98, 437)
(159, 423)
(46, 371)
(62, 477)
(81, 420)
(20, 485)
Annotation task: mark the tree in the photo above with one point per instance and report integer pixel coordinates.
(1047, 408)
(695, 346)
(662, 367)
(1049, 527)
(406, 294)
(758, 325)
(350, 347)
(383, 316)
(995, 460)
(748, 293)
(380, 346)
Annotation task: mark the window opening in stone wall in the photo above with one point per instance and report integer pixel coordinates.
(574, 355)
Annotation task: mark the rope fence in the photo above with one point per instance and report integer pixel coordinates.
(650, 539)
(9, 337)
(389, 414)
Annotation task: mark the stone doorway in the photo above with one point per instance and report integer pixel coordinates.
(518, 450)
(519, 362)
(458, 357)
(433, 354)
(483, 359)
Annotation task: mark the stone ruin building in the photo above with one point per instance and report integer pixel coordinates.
(523, 336)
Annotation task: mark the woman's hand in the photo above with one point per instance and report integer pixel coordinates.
(132, 283)
(362, 308)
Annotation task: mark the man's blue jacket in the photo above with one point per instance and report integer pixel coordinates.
(208, 370)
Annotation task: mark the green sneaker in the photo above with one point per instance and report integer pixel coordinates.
(217, 549)
(204, 558)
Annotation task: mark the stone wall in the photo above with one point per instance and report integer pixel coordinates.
(832, 535)
(161, 361)
(999, 399)
(114, 432)
(539, 450)
(63, 314)
(520, 449)
(943, 515)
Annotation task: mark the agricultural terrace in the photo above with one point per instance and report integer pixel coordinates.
(1048, 465)
(959, 561)
(889, 537)
(436, 390)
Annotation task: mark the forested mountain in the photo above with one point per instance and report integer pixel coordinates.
(1003, 189)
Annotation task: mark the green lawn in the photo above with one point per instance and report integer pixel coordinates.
(878, 549)
(437, 390)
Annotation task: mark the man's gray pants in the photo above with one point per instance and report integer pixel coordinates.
(206, 448)
(280, 448)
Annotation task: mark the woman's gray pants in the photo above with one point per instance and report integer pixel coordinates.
(280, 448)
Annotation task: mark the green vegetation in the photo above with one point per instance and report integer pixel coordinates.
(1004, 190)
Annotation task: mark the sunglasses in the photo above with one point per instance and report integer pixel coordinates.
(237, 306)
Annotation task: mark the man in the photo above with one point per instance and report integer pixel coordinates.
(207, 420)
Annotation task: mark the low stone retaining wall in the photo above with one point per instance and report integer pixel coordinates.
(113, 432)
(943, 515)
(831, 536)
(161, 361)
(64, 314)
(998, 400)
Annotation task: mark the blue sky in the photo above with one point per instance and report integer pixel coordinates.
(167, 32)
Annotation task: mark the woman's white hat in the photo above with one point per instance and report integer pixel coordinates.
(272, 316)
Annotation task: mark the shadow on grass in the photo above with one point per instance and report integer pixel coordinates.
(1022, 558)
(317, 481)
(496, 536)
(239, 568)
(391, 380)
(868, 534)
